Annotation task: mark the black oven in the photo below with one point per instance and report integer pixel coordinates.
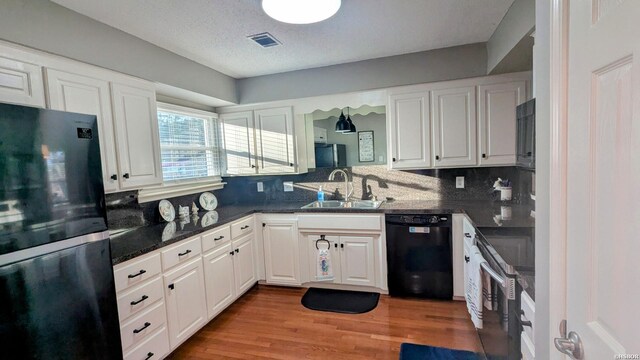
(500, 334)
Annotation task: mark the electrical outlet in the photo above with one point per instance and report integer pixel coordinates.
(288, 186)
(260, 186)
(459, 182)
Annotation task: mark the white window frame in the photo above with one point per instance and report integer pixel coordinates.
(187, 186)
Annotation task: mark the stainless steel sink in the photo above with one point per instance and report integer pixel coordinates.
(335, 204)
(363, 204)
(325, 204)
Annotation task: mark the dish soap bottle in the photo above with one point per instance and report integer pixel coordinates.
(320, 194)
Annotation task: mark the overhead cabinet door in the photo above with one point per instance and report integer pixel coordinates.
(86, 95)
(497, 122)
(138, 140)
(20, 82)
(239, 143)
(454, 127)
(275, 140)
(409, 125)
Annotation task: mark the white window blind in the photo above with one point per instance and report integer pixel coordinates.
(189, 146)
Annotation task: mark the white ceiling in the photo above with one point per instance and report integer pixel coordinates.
(213, 32)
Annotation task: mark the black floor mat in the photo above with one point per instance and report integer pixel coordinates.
(340, 301)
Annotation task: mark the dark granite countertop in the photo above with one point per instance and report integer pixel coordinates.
(487, 216)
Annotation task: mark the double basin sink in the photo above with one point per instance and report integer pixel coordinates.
(337, 204)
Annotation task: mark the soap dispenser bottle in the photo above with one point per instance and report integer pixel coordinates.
(320, 194)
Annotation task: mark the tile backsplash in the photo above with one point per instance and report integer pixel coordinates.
(375, 180)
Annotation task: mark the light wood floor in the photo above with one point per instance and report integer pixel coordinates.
(270, 323)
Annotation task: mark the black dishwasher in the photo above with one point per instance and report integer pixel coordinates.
(419, 256)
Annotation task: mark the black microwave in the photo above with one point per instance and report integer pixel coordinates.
(526, 135)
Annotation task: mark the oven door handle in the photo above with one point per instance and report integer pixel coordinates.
(501, 280)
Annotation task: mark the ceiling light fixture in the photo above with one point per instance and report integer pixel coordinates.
(342, 125)
(301, 11)
(352, 127)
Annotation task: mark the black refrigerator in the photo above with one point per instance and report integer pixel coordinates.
(57, 293)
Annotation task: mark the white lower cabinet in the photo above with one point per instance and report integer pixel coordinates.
(281, 254)
(527, 319)
(353, 258)
(457, 245)
(220, 283)
(244, 263)
(186, 302)
(141, 308)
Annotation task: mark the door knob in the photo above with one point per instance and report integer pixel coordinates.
(114, 177)
(126, 175)
(437, 157)
(570, 345)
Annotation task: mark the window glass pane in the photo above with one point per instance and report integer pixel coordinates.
(189, 146)
(176, 129)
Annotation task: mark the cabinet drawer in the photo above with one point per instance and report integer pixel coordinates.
(216, 237)
(136, 271)
(140, 298)
(181, 253)
(528, 314)
(139, 328)
(242, 227)
(155, 347)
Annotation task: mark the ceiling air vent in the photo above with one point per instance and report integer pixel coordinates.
(265, 39)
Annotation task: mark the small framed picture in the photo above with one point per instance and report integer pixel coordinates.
(366, 152)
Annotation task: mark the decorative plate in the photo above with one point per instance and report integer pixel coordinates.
(208, 201)
(209, 218)
(169, 231)
(167, 211)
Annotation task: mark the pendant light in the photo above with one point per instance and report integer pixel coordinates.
(352, 127)
(342, 125)
(301, 11)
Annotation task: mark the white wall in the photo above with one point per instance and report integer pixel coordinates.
(428, 66)
(515, 26)
(46, 26)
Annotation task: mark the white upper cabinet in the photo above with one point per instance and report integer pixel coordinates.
(259, 142)
(138, 140)
(497, 122)
(410, 131)
(454, 126)
(20, 82)
(87, 95)
(239, 144)
(275, 141)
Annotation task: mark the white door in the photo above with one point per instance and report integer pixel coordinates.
(244, 263)
(86, 95)
(603, 216)
(186, 303)
(410, 131)
(454, 126)
(20, 82)
(137, 136)
(281, 254)
(357, 260)
(275, 141)
(239, 142)
(333, 242)
(219, 280)
(497, 122)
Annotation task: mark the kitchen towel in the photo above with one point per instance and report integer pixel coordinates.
(487, 291)
(324, 268)
(474, 291)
